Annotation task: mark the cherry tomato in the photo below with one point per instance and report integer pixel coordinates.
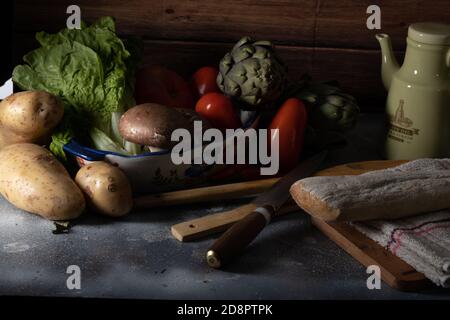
(290, 120)
(219, 110)
(204, 81)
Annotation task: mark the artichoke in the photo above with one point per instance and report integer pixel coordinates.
(329, 108)
(252, 74)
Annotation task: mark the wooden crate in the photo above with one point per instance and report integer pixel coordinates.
(327, 39)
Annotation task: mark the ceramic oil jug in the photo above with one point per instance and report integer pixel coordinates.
(418, 103)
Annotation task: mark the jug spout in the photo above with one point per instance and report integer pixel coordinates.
(389, 64)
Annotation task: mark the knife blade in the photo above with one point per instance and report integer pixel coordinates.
(278, 194)
(237, 237)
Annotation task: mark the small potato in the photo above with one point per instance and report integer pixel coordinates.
(106, 187)
(32, 179)
(29, 116)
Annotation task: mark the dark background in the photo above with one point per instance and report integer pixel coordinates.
(6, 15)
(327, 39)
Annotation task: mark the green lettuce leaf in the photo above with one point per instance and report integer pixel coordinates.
(91, 69)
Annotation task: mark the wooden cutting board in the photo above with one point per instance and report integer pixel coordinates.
(394, 271)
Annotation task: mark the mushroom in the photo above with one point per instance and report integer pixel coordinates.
(151, 125)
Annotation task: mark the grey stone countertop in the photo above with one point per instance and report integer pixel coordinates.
(136, 257)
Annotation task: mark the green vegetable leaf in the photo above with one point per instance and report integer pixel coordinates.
(59, 139)
(90, 69)
(103, 142)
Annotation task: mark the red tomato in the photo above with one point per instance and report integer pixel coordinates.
(160, 85)
(291, 122)
(204, 81)
(218, 109)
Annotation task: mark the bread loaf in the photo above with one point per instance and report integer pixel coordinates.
(412, 188)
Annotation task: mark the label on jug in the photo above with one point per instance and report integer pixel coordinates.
(401, 127)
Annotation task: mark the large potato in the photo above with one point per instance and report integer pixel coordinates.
(29, 116)
(32, 179)
(106, 187)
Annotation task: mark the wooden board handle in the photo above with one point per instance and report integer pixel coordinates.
(211, 223)
(218, 222)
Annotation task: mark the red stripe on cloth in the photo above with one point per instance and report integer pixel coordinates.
(398, 236)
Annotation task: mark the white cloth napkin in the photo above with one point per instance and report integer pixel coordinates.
(422, 241)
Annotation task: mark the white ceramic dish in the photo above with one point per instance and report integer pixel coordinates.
(153, 171)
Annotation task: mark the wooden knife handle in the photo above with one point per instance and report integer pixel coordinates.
(238, 237)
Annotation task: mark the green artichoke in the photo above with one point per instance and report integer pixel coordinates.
(329, 108)
(252, 74)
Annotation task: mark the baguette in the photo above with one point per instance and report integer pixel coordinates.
(412, 188)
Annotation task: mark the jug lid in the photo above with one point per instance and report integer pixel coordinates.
(430, 33)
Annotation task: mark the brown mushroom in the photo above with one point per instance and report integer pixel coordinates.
(152, 124)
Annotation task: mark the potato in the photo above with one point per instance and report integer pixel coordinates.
(32, 179)
(106, 187)
(29, 116)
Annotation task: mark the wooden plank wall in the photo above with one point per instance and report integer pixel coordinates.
(327, 39)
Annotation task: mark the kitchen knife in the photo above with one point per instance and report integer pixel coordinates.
(237, 237)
